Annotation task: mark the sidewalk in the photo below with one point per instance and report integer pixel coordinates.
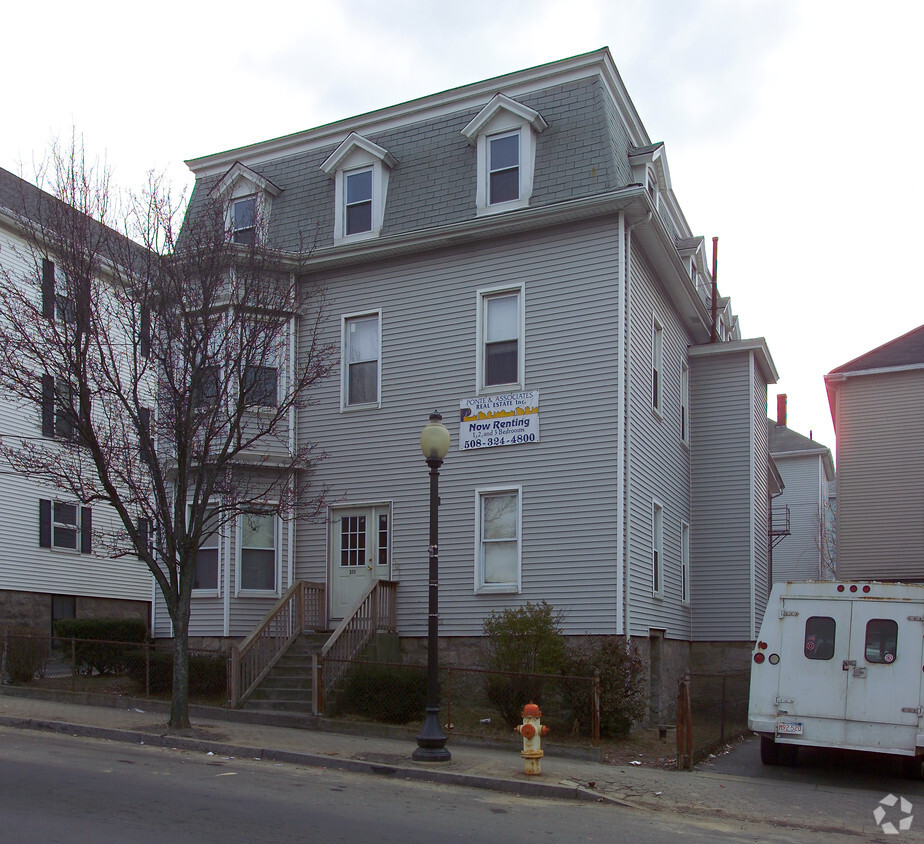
(784, 804)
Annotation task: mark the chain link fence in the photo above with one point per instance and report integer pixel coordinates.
(135, 669)
(711, 709)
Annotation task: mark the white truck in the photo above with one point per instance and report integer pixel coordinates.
(840, 664)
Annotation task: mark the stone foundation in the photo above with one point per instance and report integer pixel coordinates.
(721, 657)
(34, 609)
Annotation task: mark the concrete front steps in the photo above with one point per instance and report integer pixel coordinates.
(287, 688)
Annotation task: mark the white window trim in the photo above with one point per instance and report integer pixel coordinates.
(256, 216)
(345, 406)
(656, 396)
(239, 590)
(657, 546)
(359, 153)
(482, 294)
(503, 115)
(220, 533)
(482, 588)
(685, 591)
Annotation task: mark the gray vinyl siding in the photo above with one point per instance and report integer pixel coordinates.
(569, 506)
(243, 612)
(797, 556)
(880, 477)
(723, 532)
(24, 566)
(659, 466)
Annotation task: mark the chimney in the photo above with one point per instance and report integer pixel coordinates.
(781, 410)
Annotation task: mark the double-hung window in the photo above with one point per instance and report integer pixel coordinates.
(504, 168)
(57, 409)
(685, 403)
(261, 385)
(657, 549)
(657, 364)
(244, 220)
(206, 579)
(498, 546)
(63, 524)
(361, 360)
(500, 330)
(684, 562)
(358, 205)
(257, 553)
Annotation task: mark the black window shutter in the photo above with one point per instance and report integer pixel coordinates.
(44, 523)
(48, 406)
(145, 531)
(86, 530)
(48, 289)
(144, 339)
(144, 434)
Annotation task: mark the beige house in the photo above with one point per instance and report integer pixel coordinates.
(877, 404)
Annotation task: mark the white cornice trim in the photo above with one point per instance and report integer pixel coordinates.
(501, 102)
(520, 83)
(242, 171)
(357, 141)
(835, 377)
(757, 346)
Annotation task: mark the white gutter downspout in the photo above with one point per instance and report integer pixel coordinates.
(292, 443)
(624, 457)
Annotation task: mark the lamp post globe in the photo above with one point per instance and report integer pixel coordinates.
(431, 742)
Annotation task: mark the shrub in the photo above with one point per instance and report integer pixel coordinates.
(208, 673)
(26, 653)
(394, 694)
(622, 684)
(100, 643)
(521, 641)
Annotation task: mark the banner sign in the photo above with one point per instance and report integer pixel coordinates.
(499, 420)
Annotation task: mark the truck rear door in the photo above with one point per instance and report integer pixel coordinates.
(884, 668)
(815, 644)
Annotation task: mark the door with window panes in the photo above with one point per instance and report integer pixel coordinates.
(360, 543)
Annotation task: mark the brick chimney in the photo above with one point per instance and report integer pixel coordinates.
(781, 410)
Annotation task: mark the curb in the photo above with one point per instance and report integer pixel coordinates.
(423, 774)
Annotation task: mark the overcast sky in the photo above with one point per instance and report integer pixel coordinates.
(791, 126)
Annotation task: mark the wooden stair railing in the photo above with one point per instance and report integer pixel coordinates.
(374, 611)
(302, 608)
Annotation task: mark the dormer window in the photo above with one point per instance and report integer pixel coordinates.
(360, 170)
(249, 198)
(358, 201)
(504, 135)
(244, 220)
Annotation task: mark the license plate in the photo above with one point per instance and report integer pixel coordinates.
(785, 728)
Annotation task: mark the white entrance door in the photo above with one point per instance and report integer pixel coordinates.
(360, 553)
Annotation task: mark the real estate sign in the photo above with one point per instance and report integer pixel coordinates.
(490, 421)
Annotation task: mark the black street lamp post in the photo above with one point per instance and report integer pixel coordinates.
(431, 743)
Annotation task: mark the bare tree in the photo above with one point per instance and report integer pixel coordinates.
(168, 370)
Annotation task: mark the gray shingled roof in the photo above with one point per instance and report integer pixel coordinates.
(784, 440)
(907, 350)
(583, 152)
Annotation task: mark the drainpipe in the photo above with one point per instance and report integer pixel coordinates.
(715, 292)
(624, 458)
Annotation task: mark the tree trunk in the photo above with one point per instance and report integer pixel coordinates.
(179, 704)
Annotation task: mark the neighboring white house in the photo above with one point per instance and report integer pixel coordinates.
(803, 546)
(49, 567)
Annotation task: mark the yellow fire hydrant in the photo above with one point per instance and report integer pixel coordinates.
(532, 732)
